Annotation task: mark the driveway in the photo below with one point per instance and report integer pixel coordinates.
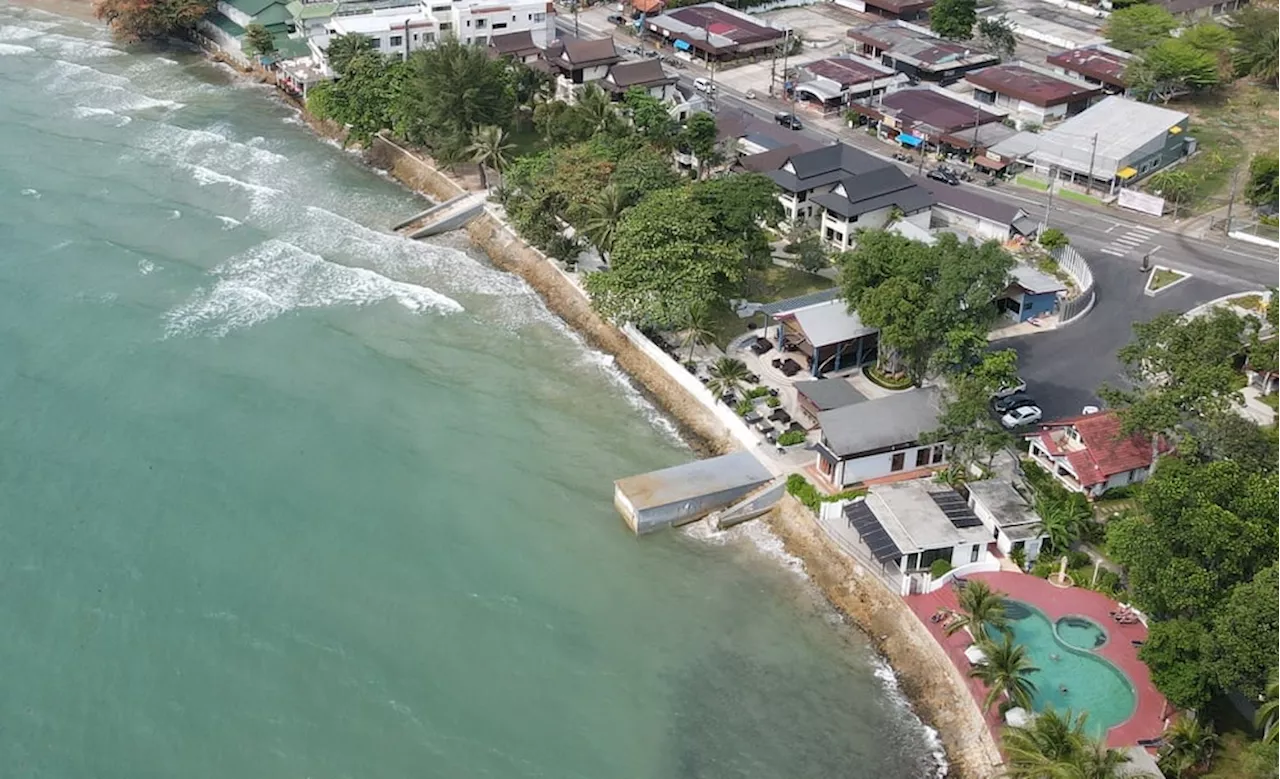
(1064, 368)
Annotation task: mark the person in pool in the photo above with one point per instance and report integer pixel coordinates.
(1062, 688)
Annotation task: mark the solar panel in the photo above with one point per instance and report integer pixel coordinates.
(872, 532)
(956, 509)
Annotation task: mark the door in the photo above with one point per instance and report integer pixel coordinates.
(899, 460)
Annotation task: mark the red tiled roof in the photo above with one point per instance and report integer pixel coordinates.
(1106, 452)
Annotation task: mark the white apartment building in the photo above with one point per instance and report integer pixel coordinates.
(407, 28)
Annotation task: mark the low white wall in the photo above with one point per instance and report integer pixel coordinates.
(1254, 239)
(732, 422)
(982, 566)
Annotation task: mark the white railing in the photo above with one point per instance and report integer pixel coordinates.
(1075, 266)
(986, 566)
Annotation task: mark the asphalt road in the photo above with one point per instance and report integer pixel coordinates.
(1065, 367)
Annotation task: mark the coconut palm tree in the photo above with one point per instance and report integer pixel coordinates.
(489, 148)
(727, 375)
(981, 608)
(1188, 747)
(1005, 672)
(1055, 746)
(1048, 740)
(1062, 520)
(595, 106)
(603, 216)
(697, 328)
(1266, 717)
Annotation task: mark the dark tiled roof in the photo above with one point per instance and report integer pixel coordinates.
(969, 201)
(646, 72)
(741, 124)
(826, 394)
(823, 166)
(927, 106)
(1107, 67)
(513, 43)
(1032, 86)
(862, 197)
(583, 53)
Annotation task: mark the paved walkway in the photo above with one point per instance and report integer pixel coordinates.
(1148, 720)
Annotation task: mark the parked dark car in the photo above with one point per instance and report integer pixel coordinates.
(945, 176)
(617, 19)
(1010, 402)
(789, 121)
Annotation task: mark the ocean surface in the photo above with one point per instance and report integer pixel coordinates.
(285, 496)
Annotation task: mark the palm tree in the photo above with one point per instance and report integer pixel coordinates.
(596, 107)
(489, 147)
(1050, 739)
(1055, 746)
(1061, 520)
(697, 328)
(980, 608)
(727, 375)
(1188, 746)
(531, 88)
(1267, 712)
(344, 48)
(603, 215)
(1005, 673)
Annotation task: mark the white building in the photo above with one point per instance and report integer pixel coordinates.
(879, 437)
(1008, 515)
(407, 28)
(1089, 454)
(869, 202)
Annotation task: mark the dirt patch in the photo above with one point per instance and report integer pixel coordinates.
(927, 676)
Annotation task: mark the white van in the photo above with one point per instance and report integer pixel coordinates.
(704, 85)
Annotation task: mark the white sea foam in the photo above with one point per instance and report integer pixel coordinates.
(261, 196)
(76, 48)
(276, 277)
(105, 114)
(15, 48)
(209, 148)
(893, 691)
(175, 214)
(146, 267)
(229, 223)
(32, 193)
(106, 90)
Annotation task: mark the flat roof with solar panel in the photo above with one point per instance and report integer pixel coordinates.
(871, 532)
(919, 515)
(956, 509)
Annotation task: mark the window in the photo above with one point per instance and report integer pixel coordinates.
(438, 9)
(922, 457)
(499, 25)
(973, 554)
(376, 42)
(428, 37)
(939, 452)
(538, 17)
(480, 23)
(898, 462)
(397, 40)
(928, 556)
(446, 26)
(415, 36)
(802, 196)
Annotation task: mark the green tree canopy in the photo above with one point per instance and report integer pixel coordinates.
(699, 138)
(149, 20)
(1139, 26)
(997, 35)
(344, 48)
(917, 295)
(669, 257)
(1264, 179)
(965, 421)
(650, 117)
(1257, 32)
(1177, 653)
(366, 99)
(453, 90)
(257, 41)
(1245, 635)
(1173, 67)
(953, 19)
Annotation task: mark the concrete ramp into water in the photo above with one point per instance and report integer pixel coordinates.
(443, 217)
(758, 502)
(687, 493)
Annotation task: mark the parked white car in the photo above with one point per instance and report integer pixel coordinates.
(704, 85)
(1018, 385)
(1021, 417)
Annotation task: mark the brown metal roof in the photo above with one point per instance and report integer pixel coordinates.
(1037, 88)
(846, 71)
(585, 53)
(929, 107)
(718, 22)
(1105, 66)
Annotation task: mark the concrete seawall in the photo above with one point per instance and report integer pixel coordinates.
(935, 687)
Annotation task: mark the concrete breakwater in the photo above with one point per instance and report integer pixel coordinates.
(935, 688)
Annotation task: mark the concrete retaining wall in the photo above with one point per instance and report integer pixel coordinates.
(962, 571)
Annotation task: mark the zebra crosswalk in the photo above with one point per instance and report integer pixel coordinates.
(1130, 242)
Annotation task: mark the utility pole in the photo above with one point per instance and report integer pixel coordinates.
(786, 52)
(576, 3)
(1231, 200)
(773, 64)
(1093, 153)
(1053, 179)
(977, 122)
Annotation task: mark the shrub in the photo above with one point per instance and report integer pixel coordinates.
(1053, 238)
(791, 438)
(1078, 559)
(939, 568)
(1118, 493)
(757, 392)
(772, 402)
(1108, 582)
(1043, 566)
(744, 407)
(1019, 556)
(888, 382)
(800, 488)
(691, 366)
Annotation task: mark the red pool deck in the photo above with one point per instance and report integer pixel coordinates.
(1148, 720)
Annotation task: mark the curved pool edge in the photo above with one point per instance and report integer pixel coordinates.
(1106, 634)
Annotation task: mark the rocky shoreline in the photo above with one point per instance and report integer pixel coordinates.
(933, 685)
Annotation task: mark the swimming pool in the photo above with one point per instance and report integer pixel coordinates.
(1080, 632)
(1071, 678)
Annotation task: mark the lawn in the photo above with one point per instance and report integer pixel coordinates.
(1032, 183)
(1229, 125)
(764, 286)
(1272, 400)
(1079, 197)
(1164, 277)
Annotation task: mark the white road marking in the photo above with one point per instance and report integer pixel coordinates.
(1157, 248)
(1114, 252)
(1131, 239)
(1142, 229)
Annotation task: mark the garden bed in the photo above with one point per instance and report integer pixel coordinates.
(1163, 278)
(873, 373)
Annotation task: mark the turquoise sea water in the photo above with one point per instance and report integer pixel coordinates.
(1069, 678)
(282, 495)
